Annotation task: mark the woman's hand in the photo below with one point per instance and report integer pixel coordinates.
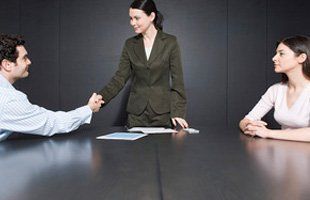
(180, 121)
(95, 102)
(245, 122)
(257, 129)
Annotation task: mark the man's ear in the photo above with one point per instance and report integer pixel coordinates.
(302, 58)
(6, 65)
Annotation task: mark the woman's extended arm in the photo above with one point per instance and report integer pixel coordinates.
(299, 134)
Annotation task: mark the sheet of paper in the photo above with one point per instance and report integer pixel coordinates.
(152, 130)
(122, 136)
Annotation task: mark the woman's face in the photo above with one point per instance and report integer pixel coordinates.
(140, 21)
(285, 59)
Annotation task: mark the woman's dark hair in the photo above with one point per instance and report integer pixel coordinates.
(148, 6)
(8, 44)
(298, 44)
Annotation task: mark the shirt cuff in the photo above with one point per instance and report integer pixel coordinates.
(86, 112)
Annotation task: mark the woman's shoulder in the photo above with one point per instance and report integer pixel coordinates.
(162, 35)
(133, 39)
(167, 35)
(277, 87)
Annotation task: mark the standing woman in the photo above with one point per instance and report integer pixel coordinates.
(153, 62)
(290, 98)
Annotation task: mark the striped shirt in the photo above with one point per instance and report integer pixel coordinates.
(17, 114)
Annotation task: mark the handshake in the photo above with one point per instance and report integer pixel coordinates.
(95, 102)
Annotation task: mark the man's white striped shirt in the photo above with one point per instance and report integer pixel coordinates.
(17, 114)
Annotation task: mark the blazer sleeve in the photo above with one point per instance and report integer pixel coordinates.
(119, 79)
(178, 97)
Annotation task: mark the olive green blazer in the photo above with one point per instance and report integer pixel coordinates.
(157, 81)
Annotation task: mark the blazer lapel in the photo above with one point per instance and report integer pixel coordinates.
(158, 47)
(139, 49)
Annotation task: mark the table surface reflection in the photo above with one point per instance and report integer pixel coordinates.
(215, 164)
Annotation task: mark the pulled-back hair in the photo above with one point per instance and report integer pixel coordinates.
(298, 44)
(8, 44)
(148, 6)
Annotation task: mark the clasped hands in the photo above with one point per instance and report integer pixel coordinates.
(257, 128)
(95, 102)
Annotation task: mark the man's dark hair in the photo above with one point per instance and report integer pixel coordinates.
(8, 44)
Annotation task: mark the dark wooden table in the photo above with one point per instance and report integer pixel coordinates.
(215, 164)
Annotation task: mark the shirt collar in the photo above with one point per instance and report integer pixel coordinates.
(4, 83)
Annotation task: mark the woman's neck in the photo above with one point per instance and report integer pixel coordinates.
(150, 34)
(297, 80)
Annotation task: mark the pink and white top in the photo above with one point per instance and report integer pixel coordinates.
(297, 116)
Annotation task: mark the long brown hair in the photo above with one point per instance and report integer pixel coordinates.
(299, 44)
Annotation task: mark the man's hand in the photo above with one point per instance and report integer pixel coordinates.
(95, 102)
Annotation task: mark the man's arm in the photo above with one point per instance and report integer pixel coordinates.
(19, 115)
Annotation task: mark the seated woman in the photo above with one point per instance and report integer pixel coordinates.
(290, 98)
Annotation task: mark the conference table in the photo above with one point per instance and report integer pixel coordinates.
(217, 163)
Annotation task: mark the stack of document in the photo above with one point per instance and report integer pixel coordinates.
(152, 130)
(136, 133)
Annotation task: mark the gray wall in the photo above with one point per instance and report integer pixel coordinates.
(226, 51)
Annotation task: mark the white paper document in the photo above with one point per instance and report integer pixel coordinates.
(152, 130)
(122, 136)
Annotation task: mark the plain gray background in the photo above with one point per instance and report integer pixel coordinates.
(226, 45)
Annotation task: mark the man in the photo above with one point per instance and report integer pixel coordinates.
(17, 114)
